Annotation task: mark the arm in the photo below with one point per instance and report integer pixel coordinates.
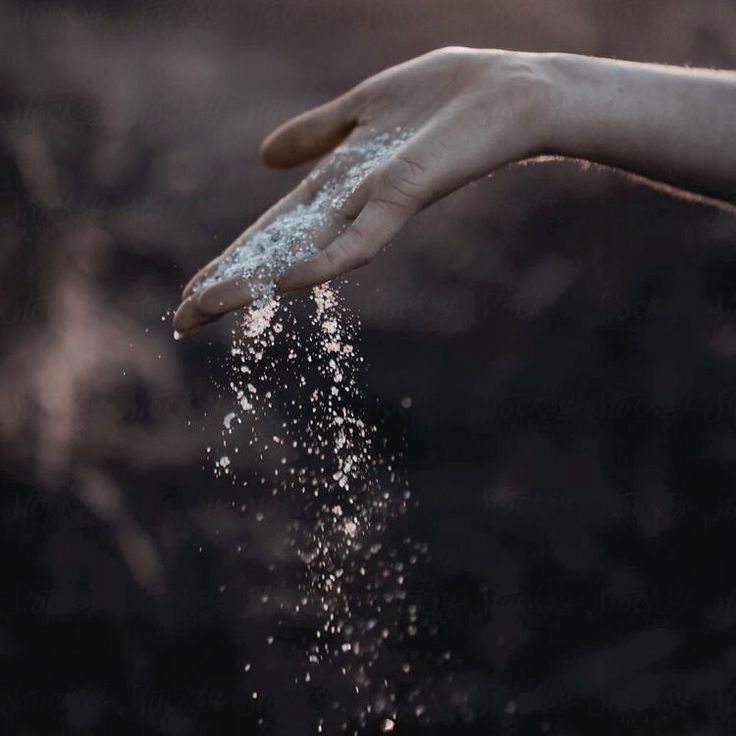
(670, 124)
(463, 113)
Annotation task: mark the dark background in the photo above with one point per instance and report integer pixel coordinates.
(567, 338)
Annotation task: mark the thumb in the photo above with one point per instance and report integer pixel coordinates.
(311, 134)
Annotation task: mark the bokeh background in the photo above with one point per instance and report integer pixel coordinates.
(567, 339)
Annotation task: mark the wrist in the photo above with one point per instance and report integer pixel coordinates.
(589, 93)
(557, 73)
(538, 92)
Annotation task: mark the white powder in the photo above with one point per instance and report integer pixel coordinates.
(325, 455)
(299, 405)
(264, 256)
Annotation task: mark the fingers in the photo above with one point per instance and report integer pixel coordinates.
(311, 134)
(200, 309)
(300, 195)
(203, 305)
(202, 274)
(190, 315)
(389, 206)
(383, 203)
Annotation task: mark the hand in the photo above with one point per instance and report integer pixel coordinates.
(446, 118)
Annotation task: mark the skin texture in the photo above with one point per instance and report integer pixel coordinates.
(473, 111)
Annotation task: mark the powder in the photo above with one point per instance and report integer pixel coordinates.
(298, 406)
(265, 255)
(347, 498)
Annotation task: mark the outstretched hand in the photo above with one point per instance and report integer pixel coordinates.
(448, 117)
(416, 132)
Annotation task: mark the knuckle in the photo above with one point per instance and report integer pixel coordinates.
(343, 256)
(453, 51)
(360, 258)
(335, 256)
(357, 235)
(413, 168)
(400, 184)
(447, 54)
(440, 52)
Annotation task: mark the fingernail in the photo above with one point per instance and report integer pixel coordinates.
(183, 334)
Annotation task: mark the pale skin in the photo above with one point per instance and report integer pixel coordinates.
(472, 111)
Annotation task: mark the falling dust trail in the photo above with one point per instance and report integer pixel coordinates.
(347, 496)
(325, 460)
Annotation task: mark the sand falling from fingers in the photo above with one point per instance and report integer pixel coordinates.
(300, 414)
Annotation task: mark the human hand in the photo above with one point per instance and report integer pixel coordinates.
(394, 144)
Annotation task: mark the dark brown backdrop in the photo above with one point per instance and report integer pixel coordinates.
(567, 338)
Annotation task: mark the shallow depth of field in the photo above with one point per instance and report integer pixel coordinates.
(550, 356)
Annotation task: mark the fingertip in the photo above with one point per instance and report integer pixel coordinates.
(274, 153)
(189, 333)
(187, 319)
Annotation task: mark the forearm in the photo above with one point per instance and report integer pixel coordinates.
(673, 125)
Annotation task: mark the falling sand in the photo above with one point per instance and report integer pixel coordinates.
(325, 458)
(348, 495)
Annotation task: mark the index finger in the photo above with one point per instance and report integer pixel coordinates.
(298, 226)
(300, 195)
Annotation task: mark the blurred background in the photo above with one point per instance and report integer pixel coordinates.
(554, 346)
